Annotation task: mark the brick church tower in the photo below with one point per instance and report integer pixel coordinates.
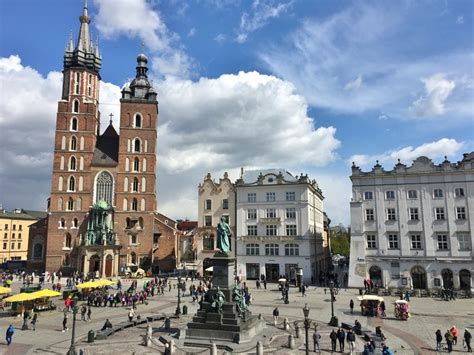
(103, 198)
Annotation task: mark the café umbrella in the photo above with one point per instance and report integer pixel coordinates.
(5, 290)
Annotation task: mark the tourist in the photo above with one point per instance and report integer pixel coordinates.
(386, 350)
(89, 312)
(407, 296)
(276, 314)
(467, 340)
(131, 314)
(303, 290)
(357, 327)
(341, 336)
(439, 340)
(449, 340)
(333, 337)
(316, 339)
(34, 320)
(454, 332)
(83, 312)
(351, 306)
(382, 308)
(351, 340)
(64, 323)
(265, 283)
(9, 334)
(106, 325)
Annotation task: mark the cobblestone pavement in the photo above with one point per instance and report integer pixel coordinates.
(415, 336)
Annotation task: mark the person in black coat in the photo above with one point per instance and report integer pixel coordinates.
(333, 337)
(467, 340)
(341, 336)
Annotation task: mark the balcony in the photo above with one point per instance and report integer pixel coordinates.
(270, 220)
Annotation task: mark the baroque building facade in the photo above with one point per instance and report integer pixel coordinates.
(412, 226)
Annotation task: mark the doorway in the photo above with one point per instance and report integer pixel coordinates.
(108, 265)
(418, 275)
(272, 272)
(94, 263)
(447, 275)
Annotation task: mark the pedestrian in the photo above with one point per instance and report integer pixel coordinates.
(9, 334)
(83, 312)
(454, 332)
(382, 308)
(333, 337)
(316, 339)
(449, 340)
(65, 323)
(407, 296)
(351, 340)
(351, 306)
(303, 290)
(276, 314)
(34, 320)
(131, 314)
(467, 340)
(386, 350)
(89, 312)
(341, 336)
(439, 340)
(265, 284)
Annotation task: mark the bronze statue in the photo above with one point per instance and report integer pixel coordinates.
(223, 236)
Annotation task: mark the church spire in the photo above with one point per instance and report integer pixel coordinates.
(83, 41)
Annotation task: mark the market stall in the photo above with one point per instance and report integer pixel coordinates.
(35, 301)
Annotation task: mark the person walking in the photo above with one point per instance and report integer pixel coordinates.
(351, 306)
(351, 340)
(439, 340)
(341, 336)
(316, 339)
(454, 332)
(303, 290)
(131, 314)
(89, 313)
(34, 320)
(64, 323)
(467, 340)
(83, 312)
(9, 334)
(333, 337)
(276, 314)
(449, 340)
(265, 284)
(382, 308)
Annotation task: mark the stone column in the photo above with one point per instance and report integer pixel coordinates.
(86, 264)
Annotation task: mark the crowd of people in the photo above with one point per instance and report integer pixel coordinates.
(451, 338)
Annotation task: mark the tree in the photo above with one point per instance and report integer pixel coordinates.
(340, 240)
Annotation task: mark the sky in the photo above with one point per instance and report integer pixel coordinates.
(308, 86)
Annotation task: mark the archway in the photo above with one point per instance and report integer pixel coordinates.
(108, 265)
(447, 276)
(418, 275)
(94, 263)
(465, 279)
(375, 274)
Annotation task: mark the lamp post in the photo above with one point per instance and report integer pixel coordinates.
(334, 322)
(72, 348)
(307, 324)
(178, 307)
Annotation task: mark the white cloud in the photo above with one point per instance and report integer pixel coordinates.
(262, 11)
(192, 32)
(460, 20)
(433, 150)
(354, 84)
(437, 90)
(220, 38)
(138, 19)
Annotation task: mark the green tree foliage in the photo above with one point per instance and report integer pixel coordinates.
(340, 240)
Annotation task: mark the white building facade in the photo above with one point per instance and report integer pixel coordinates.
(279, 225)
(413, 226)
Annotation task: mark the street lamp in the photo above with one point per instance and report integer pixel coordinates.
(307, 324)
(178, 307)
(72, 348)
(334, 321)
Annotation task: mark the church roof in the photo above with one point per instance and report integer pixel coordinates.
(106, 150)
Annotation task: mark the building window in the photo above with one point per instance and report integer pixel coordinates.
(413, 214)
(292, 249)
(133, 239)
(75, 106)
(136, 145)
(77, 83)
(70, 204)
(208, 221)
(208, 204)
(438, 193)
(225, 204)
(458, 192)
(74, 124)
(290, 196)
(460, 213)
(4, 246)
(391, 215)
(291, 213)
(371, 242)
(252, 249)
(390, 195)
(38, 251)
(72, 164)
(18, 246)
(369, 214)
(271, 230)
(135, 185)
(14, 227)
(104, 187)
(271, 213)
(13, 235)
(20, 227)
(62, 223)
(134, 204)
(252, 213)
(73, 143)
(291, 230)
(270, 197)
(68, 241)
(252, 197)
(271, 250)
(368, 195)
(464, 241)
(75, 223)
(393, 241)
(138, 121)
(412, 194)
(208, 242)
(439, 213)
(136, 165)
(12, 246)
(6, 227)
(442, 242)
(5, 235)
(416, 241)
(72, 184)
(252, 230)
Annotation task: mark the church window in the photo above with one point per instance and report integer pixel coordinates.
(133, 239)
(125, 184)
(81, 163)
(63, 143)
(140, 222)
(62, 223)
(79, 204)
(70, 204)
(72, 164)
(146, 146)
(89, 87)
(134, 205)
(81, 183)
(60, 183)
(104, 187)
(136, 165)
(71, 184)
(81, 144)
(133, 258)
(135, 185)
(138, 121)
(74, 124)
(142, 204)
(75, 223)
(127, 164)
(143, 184)
(61, 163)
(128, 145)
(136, 145)
(75, 106)
(77, 83)
(73, 143)
(68, 240)
(125, 204)
(60, 203)
(144, 165)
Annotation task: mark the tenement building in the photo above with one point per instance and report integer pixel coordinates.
(412, 226)
(280, 225)
(103, 200)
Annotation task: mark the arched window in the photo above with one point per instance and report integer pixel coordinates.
(128, 223)
(71, 184)
(127, 164)
(79, 204)
(38, 251)
(292, 249)
(61, 163)
(60, 183)
(144, 165)
(81, 144)
(70, 204)
(81, 163)
(133, 240)
(68, 241)
(252, 249)
(140, 222)
(62, 223)
(142, 204)
(134, 205)
(104, 187)
(73, 124)
(75, 106)
(81, 183)
(271, 249)
(77, 83)
(89, 87)
(72, 163)
(136, 165)
(125, 184)
(75, 223)
(125, 204)
(63, 143)
(135, 185)
(137, 121)
(143, 184)
(60, 203)
(136, 145)
(73, 143)
(146, 146)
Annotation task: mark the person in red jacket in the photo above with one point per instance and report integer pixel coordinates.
(454, 332)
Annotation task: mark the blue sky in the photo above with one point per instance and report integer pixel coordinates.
(309, 86)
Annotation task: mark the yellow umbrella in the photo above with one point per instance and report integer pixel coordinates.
(46, 293)
(20, 297)
(90, 284)
(5, 290)
(105, 282)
